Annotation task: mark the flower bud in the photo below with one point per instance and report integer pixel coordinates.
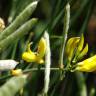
(2, 24)
(16, 72)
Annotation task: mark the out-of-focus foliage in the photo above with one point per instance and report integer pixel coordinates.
(27, 21)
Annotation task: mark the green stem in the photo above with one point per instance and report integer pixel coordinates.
(5, 77)
(83, 4)
(27, 42)
(87, 18)
(57, 18)
(65, 32)
(41, 69)
(14, 50)
(54, 89)
(58, 15)
(12, 11)
(81, 84)
(57, 7)
(56, 37)
(32, 69)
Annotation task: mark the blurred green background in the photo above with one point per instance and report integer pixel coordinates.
(50, 14)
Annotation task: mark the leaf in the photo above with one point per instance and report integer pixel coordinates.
(13, 85)
(18, 33)
(24, 15)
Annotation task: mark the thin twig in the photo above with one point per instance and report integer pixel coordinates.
(65, 32)
(41, 69)
(32, 69)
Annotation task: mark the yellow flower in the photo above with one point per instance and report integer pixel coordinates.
(70, 47)
(41, 48)
(83, 52)
(31, 56)
(2, 24)
(88, 65)
(16, 72)
(80, 45)
(74, 48)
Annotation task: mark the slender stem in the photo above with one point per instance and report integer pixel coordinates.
(54, 89)
(41, 69)
(57, 7)
(28, 40)
(56, 37)
(55, 21)
(81, 84)
(65, 32)
(58, 15)
(32, 69)
(87, 18)
(5, 77)
(75, 17)
(14, 50)
(12, 11)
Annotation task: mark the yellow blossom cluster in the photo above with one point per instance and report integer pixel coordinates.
(75, 51)
(30, 56)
